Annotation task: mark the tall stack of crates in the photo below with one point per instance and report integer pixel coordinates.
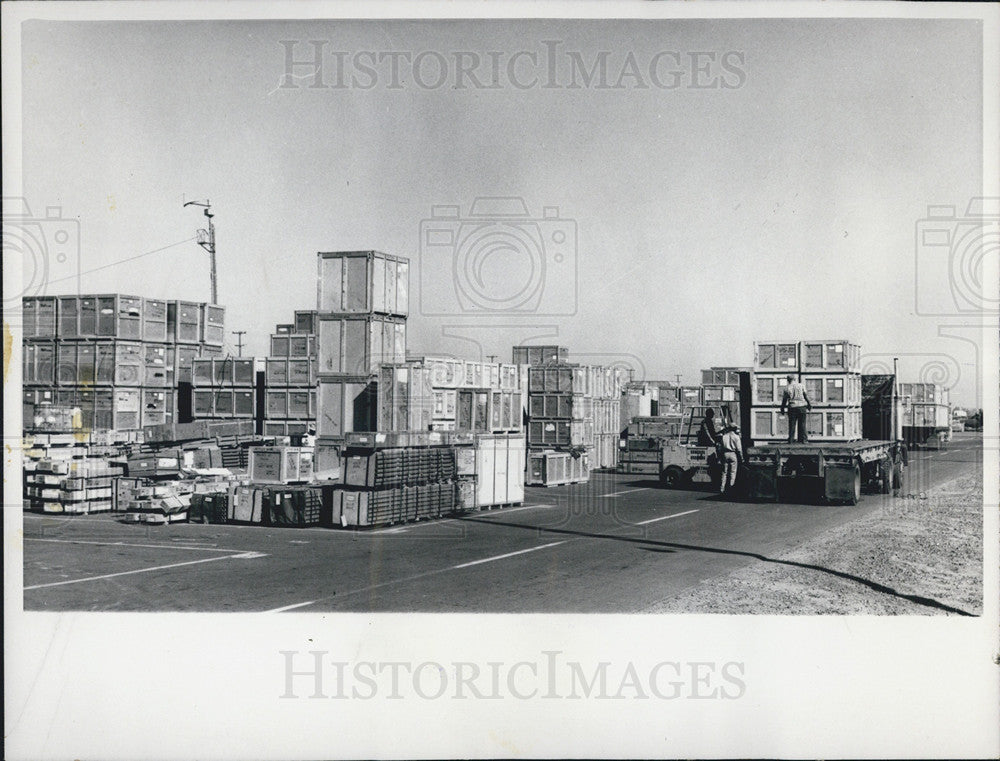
(224, 388)
(290, 373)
(606, 387)
(830, 372)
(925, 411)
(362, 304)
(117, 358)
(571, 408)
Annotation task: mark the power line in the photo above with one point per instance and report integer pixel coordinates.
(122, 261)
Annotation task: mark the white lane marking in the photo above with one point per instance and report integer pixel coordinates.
(665, 517)
(290, 607)
(509, 554)
(620, 493)
(143, 570)
(126, 544)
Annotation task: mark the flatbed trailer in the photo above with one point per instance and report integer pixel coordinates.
(844, 470)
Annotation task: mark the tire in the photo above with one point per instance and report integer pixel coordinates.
(672, 477)
(856, 497)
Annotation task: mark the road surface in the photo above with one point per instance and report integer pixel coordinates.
(618, 544)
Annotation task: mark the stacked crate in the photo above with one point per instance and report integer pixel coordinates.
(925, 411)
(387, 483)
(720, 387)
(830, 372)
(606, 387)
(449, 394)
(290, 378)
(117, 358)
(69, 474)
(361, 324)
(224, 388)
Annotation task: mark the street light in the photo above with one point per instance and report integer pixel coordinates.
(206, 239)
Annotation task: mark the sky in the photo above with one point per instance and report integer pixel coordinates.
(727, 181)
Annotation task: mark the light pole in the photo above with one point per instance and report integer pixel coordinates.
(206, 239)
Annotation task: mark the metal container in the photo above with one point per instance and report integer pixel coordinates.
(558, 379)
(350, 345)
(345, 405)
(776, 355)
(290, 404)
(363, 282)
(560, 406)
(154, 320)
(842, 390)
(768, 388)
(406, 398)
(184, 321)
(560, 433)
(830, 356)
(305, 321)
(500, 466)
(833, 425)
(552, 468)
(540, 355)
(38, 315)
(280, 465)
(212, 320)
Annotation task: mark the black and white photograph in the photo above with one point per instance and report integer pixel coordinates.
(477, 380)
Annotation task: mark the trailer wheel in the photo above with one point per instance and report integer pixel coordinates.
(856, 495)
(672, 477)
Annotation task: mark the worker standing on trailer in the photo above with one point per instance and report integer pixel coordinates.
(731, 452)
(796, 402)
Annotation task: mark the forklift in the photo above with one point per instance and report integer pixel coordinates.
(684, 461)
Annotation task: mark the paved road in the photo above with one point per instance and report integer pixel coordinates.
(618, 544)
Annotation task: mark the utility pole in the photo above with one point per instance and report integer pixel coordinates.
(239, 341)
(678, 377)
(491, 357)
(206, 239)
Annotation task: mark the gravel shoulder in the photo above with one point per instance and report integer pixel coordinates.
(911, 556)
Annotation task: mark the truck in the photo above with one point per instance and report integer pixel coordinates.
(839, 471)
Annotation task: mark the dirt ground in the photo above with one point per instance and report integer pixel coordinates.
(912, 556)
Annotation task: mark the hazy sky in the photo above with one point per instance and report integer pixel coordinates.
(778, 201)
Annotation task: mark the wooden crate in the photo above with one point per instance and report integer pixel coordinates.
(363, 282)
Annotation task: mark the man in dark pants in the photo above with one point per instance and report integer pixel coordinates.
(796, 402)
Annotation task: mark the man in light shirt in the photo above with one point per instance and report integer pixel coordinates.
(796, 402)
(731, 452)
